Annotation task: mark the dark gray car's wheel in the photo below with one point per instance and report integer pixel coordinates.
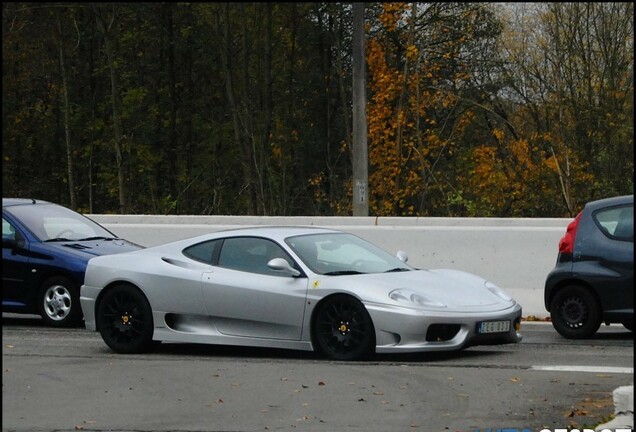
(575, 313)
(124, 319)
(343, 329)
(59, 303)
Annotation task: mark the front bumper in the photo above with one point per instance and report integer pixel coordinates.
(88, 297)
(409, 330)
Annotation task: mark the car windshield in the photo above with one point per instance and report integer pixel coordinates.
(51, 222)
(342, 253)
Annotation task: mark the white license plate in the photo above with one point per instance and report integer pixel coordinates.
(493, 327)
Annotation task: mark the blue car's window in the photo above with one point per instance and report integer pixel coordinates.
(617, 222)
(8, 232)
(54, 222)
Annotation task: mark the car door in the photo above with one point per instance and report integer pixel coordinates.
(246, 298)
(607, 256)
(15, 265)
(620, 261)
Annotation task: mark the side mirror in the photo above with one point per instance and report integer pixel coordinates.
(402, 256)
(281, 264)
(9, 243)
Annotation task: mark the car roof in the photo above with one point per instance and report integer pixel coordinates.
(609, 202)
(279, 232)
(10, 202)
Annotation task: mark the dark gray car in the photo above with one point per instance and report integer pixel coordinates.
(593, 279)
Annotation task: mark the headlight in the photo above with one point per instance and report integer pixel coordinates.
(497, 291)
(408, 296)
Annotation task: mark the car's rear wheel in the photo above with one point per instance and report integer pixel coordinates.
(59, 302)
(343, 329)
(575, 313)
(124, 319)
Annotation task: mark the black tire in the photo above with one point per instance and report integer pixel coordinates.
(58, 303)
(343, 329)
(575, 313)
(124, 319)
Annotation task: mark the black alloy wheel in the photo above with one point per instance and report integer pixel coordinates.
(124, 319)
(575, 313)
(343, 329)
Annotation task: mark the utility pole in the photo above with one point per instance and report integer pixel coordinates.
(360, 150)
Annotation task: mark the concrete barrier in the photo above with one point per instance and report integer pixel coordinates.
(516, 254)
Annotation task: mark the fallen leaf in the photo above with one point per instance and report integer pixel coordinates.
(321, 383)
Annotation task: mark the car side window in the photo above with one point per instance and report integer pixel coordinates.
(203, 252)
(8, 232)
(617, 222)
(251, 254)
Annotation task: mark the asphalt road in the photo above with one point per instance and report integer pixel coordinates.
(68, 380)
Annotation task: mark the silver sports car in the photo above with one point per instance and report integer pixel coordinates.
(290, 287)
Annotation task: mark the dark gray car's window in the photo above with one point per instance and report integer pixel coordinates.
(617, 222)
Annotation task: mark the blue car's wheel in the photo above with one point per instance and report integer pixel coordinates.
(59, 304)
(343, 329)
(124, 319)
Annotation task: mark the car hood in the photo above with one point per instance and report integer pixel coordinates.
(455, 290)
(90, 248)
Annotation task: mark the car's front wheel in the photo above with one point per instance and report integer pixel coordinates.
(575, 313)
(343, 329)
(124, 319)
(59, 302)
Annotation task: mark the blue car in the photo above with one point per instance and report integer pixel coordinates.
(45, 250)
